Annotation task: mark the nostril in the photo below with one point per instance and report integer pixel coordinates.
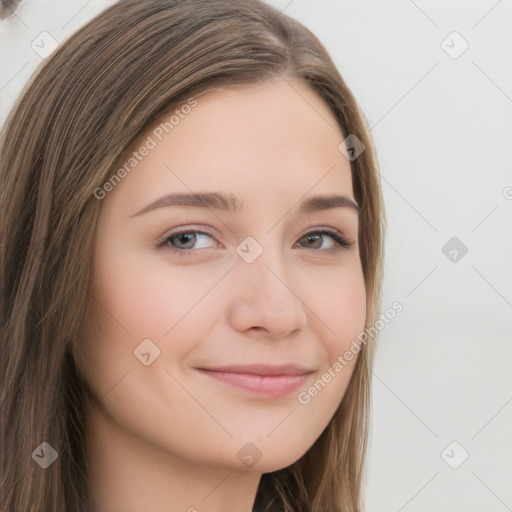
(8, 7)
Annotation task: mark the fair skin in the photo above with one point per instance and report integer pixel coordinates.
(167, 436)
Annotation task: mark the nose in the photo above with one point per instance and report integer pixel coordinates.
(265, 300)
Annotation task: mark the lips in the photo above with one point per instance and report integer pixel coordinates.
(262, 369)
(270, 380)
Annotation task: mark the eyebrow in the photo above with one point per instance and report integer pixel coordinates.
(230, 203)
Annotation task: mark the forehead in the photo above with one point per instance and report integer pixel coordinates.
(278, 137)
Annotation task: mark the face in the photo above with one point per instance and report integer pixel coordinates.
(219, 319)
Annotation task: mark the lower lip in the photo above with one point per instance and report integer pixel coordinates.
(274, 386)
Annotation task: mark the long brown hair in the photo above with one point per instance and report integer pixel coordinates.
(88, 102)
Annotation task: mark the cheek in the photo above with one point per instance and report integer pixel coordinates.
(340, 304)
(337, 304)
(138, 298)
(149, 296)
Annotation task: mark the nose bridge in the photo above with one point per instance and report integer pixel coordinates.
(271, 281)
(266, 296)
(267, 271)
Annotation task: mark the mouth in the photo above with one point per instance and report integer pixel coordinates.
(267, 380)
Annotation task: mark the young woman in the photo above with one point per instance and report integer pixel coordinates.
(191, 252)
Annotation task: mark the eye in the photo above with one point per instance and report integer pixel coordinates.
(186, 240)
(325, 240)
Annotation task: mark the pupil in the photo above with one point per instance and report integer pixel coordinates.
(314, 238)
(187, 239)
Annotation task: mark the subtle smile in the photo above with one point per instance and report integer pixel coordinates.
(266, 381)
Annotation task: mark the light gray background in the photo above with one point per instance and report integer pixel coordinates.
(443, 130)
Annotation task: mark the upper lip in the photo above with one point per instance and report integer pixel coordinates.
(262, 369)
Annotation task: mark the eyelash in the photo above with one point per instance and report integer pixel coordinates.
(164, 241)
